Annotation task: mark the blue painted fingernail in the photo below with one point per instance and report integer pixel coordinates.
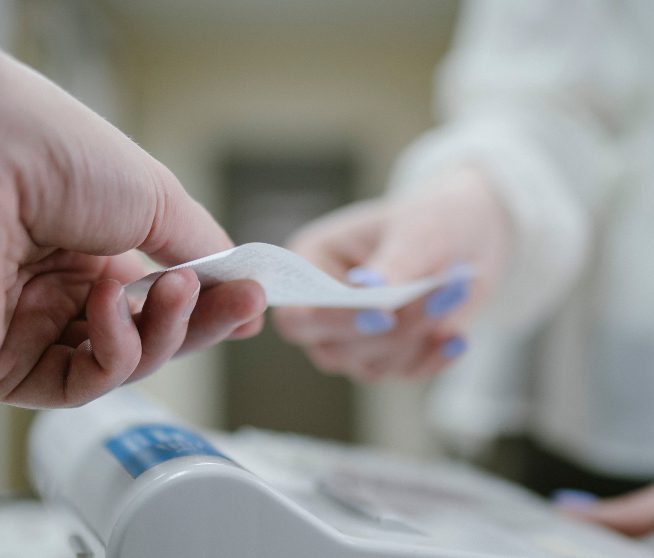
(370, 322)
(374, 322)
(454, 347)
(570, 498)
(365, 277)
(445, 299)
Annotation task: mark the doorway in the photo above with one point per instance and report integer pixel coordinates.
(271, 384)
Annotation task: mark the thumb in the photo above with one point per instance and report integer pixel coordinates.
(86, 187)
(398, 262)
(631, 514)
(406, 251)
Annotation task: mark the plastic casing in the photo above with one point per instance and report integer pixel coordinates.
(200, 506)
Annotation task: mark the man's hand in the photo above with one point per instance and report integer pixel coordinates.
(76, 195)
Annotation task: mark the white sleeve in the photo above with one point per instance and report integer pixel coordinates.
(534, 93)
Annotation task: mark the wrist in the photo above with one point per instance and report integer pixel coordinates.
(491, 219)
(463, 214)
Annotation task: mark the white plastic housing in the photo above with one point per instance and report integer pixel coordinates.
(200, 506)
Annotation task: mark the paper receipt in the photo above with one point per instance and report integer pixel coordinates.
(290, 280)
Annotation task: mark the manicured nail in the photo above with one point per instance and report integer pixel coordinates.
(374, 322)
(366, 277)
(570, 498)
(454, 347)
(123, 306)
(447, 298)
(191, 304)
(370, 322)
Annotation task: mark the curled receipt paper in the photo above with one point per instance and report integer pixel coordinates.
(290, 280)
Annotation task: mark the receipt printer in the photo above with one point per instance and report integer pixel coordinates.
(134, 484)
(125, 479)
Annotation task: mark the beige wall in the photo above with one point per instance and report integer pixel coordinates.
(293, 88)
(186, 92)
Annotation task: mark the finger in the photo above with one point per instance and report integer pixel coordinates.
(371, 356)
(221, 310)
(42, 312)
(632, 514)
(163, 322)
(249, 329)
(394, 259)
(447, 308)
(450, 297)
(328, 358)
(410, 355)
(371, 321)
(114, 349)
(342, 239)
(441, 308)
(362, 353)
(393, 359)
(181, 229)
(322, 325)
(335, 243)
(126, 268)
(66, 377)
(336, 359)
(436, 355)
(315, 325)
(343, 357)
(398, 362)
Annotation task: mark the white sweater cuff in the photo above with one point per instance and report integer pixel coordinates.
(551, 228)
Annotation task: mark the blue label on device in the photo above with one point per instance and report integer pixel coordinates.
(142, 447)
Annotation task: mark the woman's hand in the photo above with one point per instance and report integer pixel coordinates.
(631, 514)
(456, 225)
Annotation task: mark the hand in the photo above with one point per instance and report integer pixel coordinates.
(457, 222)
(76, 196)
(631, 514)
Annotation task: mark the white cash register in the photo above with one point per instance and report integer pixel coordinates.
(122, 478)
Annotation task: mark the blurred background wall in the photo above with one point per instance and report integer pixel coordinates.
(270, 113)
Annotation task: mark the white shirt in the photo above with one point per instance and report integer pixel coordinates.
(555, 100)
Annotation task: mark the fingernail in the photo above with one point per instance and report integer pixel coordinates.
(374, 322)
(570, 498)
(123, 306)
(447, 298)
(370, 322)
(365, 277)
(191, 304)
(454, 347)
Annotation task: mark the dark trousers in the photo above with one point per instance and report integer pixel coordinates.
(522, 460)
